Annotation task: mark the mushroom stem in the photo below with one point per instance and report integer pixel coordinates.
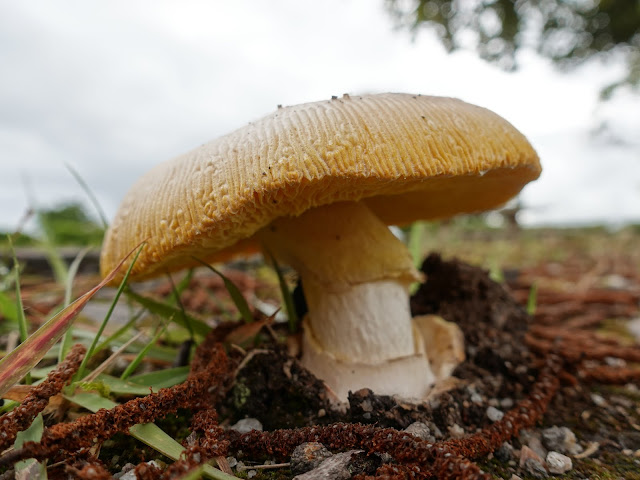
(355, 275)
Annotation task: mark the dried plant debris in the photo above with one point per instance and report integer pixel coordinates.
(520, 371)
(210, 372)
(35, 402)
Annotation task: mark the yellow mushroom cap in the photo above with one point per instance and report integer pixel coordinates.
(407, 157)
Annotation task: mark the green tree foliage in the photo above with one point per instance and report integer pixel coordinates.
(69, 224)
(66, 224)
(18, 240)
(568, 32)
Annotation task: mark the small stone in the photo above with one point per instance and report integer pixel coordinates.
(531, 438)
(420, 430)
(456, 431)
(384, 457)
(246, 425)
(634, 327)
(361, 463)
(130, 474)
(436, 431)
(127, 468)
(506, 402)
(476, 398)
(251, 473)
(615, 362)
(526, 453)
(308, 456)
(531, 462)
(598, 399)
(561, 439)
(558, 463)
(494, 414)
(624, 402)
(366, 406)
(615, 281)
(191, 439)
(232, 461)
(515, 477)
(335, 467)
(535, 468)
(504, 453)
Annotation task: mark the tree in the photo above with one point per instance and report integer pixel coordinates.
(569, 32)
(69, 224)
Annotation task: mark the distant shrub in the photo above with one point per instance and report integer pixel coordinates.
(69, 224)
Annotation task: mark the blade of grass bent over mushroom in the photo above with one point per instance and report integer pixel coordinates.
(317, 184)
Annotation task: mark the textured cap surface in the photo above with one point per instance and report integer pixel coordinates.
(406, 156)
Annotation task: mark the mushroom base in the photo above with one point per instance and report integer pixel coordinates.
(412, 376)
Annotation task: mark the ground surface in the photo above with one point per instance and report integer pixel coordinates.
(587, 297)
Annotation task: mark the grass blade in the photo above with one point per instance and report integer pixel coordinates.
(532, 300)
(136, 361)
(8, 405)
(67, 339)
(415, 241)
(19, 307)
(8, 308)
(92, 197)
(149, 434)
(234, 291)
(114, 336)
(112, 358)
(16, 364)
(175, 299)
(30, 468)
(194, 474)
(161, 378)
(73, 270)
(176, 291)
(80, 373)
(58, 266)
(287, 297)
(167, 312)
(141, 384)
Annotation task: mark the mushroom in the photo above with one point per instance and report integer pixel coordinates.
(316, 185)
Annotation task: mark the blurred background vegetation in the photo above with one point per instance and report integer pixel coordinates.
(63, 225)
(492, 240)
(569, 32)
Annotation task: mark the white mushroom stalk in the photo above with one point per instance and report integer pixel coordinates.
(355, 275)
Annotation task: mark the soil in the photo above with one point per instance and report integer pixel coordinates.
(572, 364)
(500, 370)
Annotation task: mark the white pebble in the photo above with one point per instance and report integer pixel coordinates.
(246, 425)
(558, 463)
(494, 414)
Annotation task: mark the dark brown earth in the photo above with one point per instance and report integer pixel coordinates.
(502, 363)
(569, 365)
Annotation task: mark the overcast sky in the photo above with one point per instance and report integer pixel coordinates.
(112, 88)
